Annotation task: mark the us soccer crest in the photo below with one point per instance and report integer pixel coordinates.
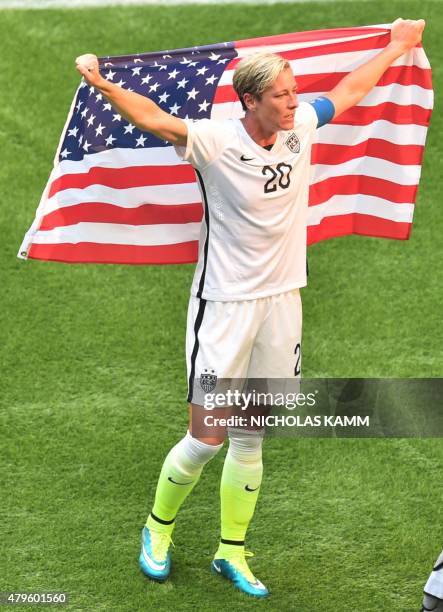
(208, 380)
(293, 143)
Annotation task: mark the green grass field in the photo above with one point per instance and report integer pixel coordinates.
(93, 378)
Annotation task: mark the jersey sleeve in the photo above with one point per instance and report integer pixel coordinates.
(324, 109)
(205, 142)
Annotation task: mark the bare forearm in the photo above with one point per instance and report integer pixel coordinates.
(360, 81)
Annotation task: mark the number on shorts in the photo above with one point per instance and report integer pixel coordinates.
(297, 353)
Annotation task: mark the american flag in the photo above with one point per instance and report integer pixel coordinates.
(120, 195)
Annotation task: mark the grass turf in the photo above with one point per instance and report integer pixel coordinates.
(93, 374)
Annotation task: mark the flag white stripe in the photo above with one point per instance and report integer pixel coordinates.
(363, 204)
(113, 233)
(185, 193)
(369, 166)
(385, 130)
(123, 158)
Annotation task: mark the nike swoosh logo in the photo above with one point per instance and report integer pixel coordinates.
(216, 568)
(152, 564)
(248, 489)
(179, 483)
(243, 158)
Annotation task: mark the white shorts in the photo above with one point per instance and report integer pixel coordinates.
(247, 339)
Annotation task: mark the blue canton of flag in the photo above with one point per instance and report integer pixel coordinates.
(182, 82)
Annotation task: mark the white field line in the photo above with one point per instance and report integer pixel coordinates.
(45, 4)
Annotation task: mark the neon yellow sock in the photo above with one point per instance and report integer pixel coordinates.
(239, 489)
(180, 473)
(174, 485)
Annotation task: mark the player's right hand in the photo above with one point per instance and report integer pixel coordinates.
(87, 65)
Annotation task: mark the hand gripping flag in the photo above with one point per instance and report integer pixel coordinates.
(120, 195)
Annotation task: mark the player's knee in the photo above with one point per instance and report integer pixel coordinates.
(210, 440)
(246, 445)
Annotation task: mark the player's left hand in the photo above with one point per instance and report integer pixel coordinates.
(407, 33)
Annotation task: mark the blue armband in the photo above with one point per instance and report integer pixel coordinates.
(324, 109)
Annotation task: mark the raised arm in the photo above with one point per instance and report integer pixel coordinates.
(142, 112)
(405, 34)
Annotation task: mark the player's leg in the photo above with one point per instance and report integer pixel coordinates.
(180, 473)
(239, 488)
(276, 354)
(433, 591)
(205, 351)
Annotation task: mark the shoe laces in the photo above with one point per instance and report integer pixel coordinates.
(160, 543)
(239, 562)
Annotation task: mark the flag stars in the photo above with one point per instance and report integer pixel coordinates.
(174, 109)
(116, 117)
(136, 71)
(98, 97)
(214, 57)
(146, 79)
(84, 113)
(121, 83)
(223, 61)
(182, 84)
(203, 107)
(65, 153)
(86, 146)
(192, 64)
(211, 80)
(110, 75)
(129, 128)
(202, 70)
(107, 106)
(91, 120)
(99, 129)
(73, 132)
(163, 97)
(79, 105)
(173, 74)
(154, 87)
(192, 93)
(109, 140)
(140, 142)
(185, 61)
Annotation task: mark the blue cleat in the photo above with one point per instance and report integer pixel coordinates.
(237, 571)
(155, 555)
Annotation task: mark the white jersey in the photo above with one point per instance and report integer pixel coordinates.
(253, 235)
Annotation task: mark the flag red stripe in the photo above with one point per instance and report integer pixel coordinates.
(307, 83)
(363, 225)
(309, 36)
(373, 42)
(91, 252)
(124, 178)
(354, 184)
(146, 214)
(388, 111)
(372, 147)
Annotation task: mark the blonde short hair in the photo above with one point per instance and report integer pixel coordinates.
(257, 72)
